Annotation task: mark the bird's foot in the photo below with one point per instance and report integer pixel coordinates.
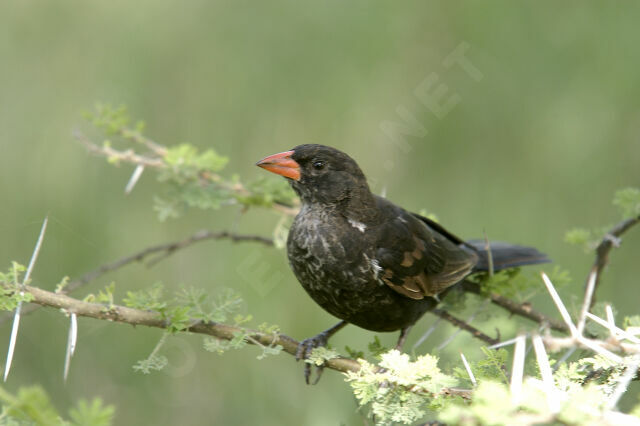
(304, 351)
(308, 345)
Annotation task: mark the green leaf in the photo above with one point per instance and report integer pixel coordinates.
(376, 348)
(320, 355)
(92, 413)
(153, 363)
(628, 201)
(149, 299)
(30, 404)
(579, 237)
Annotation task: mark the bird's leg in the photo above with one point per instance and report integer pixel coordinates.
(403, 337)
(307, 345)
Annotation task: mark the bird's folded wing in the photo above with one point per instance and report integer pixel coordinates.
(417, 261)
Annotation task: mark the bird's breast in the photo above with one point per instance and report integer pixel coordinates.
(326, 250)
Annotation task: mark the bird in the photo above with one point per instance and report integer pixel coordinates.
(366, 260)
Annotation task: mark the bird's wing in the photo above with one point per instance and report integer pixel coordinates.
(418, 261)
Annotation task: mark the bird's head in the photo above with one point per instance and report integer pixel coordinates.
(319, 174)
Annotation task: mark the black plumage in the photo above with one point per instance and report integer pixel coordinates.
(366, 260)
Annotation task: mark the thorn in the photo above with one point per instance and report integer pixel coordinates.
(588, 296)
(134, 179)
(505, 343)
(427, 333)
(16, 316)
(546, 373)
(468, 368)
(560, 305)
(598, 349)
(71, 343)
(36, 251)
(617, 332)
(623, 382)
(517, 371)
(610, 319)
(565, 357)
(12, 340)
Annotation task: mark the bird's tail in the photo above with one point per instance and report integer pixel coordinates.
(505, 255)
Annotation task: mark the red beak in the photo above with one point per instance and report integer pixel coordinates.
(281, 164)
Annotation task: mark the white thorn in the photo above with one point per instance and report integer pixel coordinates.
(517, 371)
(610, 319)
(12, 340)
(427, 333)
(546, 374)
(618, 332)
(588, 296)
(505, 343)
(468, 368)
(36, 251)
(623, 383)
(598, 349)
(16, 316)
(565, 357)
(560, 305)
(71, 343)
(134, 179)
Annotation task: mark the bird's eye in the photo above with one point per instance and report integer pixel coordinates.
(318, 164)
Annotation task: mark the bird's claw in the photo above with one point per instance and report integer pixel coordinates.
(304, 350)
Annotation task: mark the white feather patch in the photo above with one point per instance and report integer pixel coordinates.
(358, 225)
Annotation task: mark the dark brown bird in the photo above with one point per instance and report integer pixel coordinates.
(364, 259)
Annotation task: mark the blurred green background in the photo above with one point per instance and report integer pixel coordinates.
(536, 146)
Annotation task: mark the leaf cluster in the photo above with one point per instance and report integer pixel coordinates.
(191, 177)
(399, 390)
(10, 294)
(32, 405)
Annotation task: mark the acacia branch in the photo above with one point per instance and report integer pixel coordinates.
(465, 326)
(125, 315)
(157, 161)
(155, 253)
(611, 239)
(524, 310)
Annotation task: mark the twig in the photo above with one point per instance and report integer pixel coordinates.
(130, 156)
(468, 322)
(464, 326)
(136, 317)
(602, 251)
(521, 309)
(160, 252)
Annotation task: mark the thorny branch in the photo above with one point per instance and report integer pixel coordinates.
(464, 326)
(521, 309)
(154, 254)
(132, 316)
(610, 240)
(156, 160)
